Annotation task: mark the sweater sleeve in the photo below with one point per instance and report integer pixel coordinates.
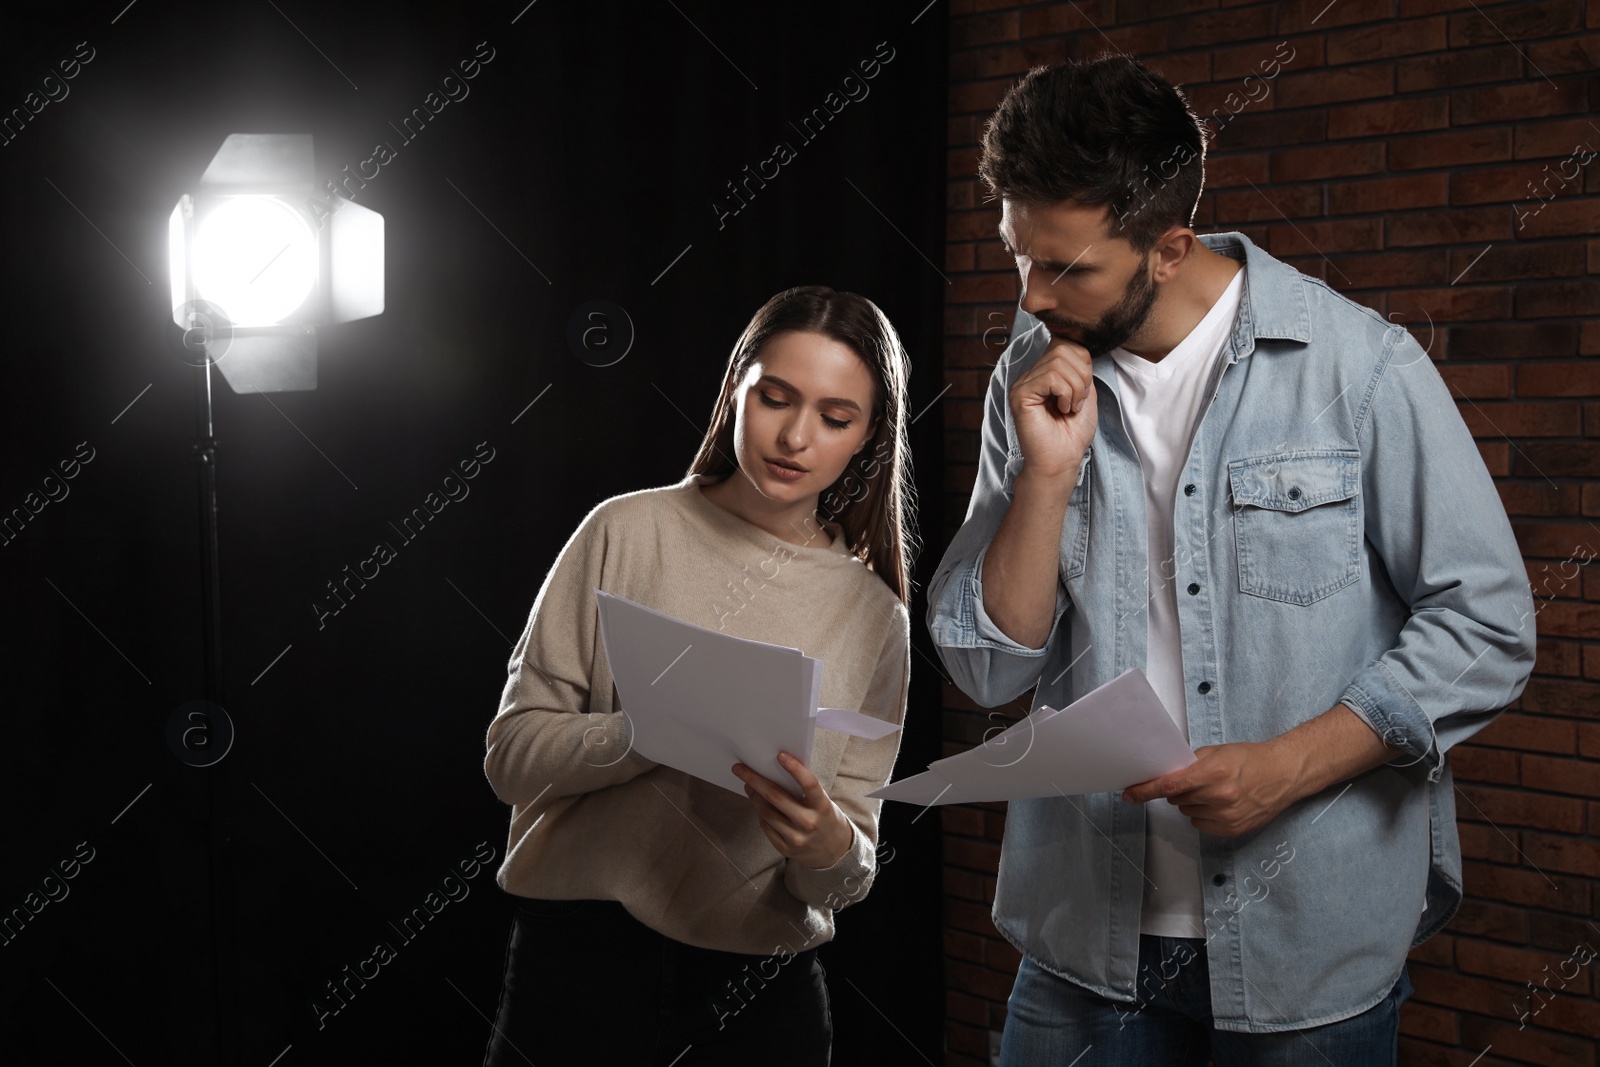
(547, 740)
(864, 767)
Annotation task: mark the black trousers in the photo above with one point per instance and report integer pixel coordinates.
(588, 984)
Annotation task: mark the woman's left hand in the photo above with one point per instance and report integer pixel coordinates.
(812, 829)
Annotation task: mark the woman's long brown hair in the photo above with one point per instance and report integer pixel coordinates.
(873, 499)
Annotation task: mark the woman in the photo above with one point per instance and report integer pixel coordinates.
(663, 919)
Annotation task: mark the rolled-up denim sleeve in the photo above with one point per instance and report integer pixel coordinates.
(1432, 513)
(983, 662)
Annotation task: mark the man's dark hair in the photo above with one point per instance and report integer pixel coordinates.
(1103, 131)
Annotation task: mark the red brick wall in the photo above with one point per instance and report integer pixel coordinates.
(1401, 155)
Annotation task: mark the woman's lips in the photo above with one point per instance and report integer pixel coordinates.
(787, 474)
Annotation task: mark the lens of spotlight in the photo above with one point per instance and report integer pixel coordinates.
(257, 257)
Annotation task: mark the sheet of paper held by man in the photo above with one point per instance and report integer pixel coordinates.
(700, 701)
(1110, 738)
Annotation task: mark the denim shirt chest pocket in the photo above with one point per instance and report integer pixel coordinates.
(1075, 527)
(1297, 523)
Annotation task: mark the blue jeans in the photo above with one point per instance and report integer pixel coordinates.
(1052, 1022)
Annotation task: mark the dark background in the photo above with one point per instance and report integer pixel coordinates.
(594, 142)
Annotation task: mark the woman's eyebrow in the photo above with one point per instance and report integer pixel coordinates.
(840, 401)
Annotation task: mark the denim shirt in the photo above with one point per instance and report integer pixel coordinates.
(1337, 539)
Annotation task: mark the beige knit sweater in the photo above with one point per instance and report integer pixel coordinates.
(591, 819)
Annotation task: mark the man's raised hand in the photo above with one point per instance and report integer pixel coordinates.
(1055, 410)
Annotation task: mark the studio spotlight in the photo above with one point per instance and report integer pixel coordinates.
(256, 267)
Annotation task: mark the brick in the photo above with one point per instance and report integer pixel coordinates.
(1307, 16)
(1525, 888)
(1386, 40)
(975, 288)
(1536, 419)
(1558, 774)
(1010, 61)
(1572, 55)
(1136, 40)
(1000, 956)
(972, 225)
(1390, 116)
(1566, 378)
(1575, 1015)
(1266, 130)
(1562, 298)
(1477, 380)
(1560, 658)
(1460, 303)
(1456, 226)
(1530, 1045)
(1435, 1024)
(1327, 161)
(985, 29)
(1451, 149)
(1065, 18)
(1387, 269)
(1560, 697)
(1471, 66)
(1223, 27)
(1510, 808)
(1383, 195)
(965, 1008)
(1529, 733)
(1524, 340)
(1569, 542)
(1589, 338)
(1570, 855)
(1439, 951)
(1295, 202)
(1495, 766)
(1140, 10)
(1514, 183)
(1497, 921)
(1232, 170)
(1515, 22)
(1227, 100)
(982, 97)
(1560, 218)
(1515, 262)
(1502, 961)
(1231, 64)
(963, 946)
(1496, 458)
(1186, 68)
(1345, 235)
(1540, 499)
(1541, 140)
(1435, 985)
(1335, 85)
(1516, 103)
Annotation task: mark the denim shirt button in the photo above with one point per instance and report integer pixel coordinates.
(1218, 879)
(1188, 490)
(1194, 587)
(1294, 492)
(1205, 687)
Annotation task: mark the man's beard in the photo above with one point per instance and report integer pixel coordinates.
(1122, 321)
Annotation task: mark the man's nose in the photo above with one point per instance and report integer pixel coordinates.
(1036, 292)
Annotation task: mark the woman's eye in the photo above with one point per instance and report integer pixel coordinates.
(837, 424)
(771, 403)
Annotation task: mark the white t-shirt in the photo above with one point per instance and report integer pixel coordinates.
(1160, 403)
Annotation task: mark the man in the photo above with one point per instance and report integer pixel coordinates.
(1220, 471)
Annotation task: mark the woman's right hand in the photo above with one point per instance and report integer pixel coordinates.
(1055, 410)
